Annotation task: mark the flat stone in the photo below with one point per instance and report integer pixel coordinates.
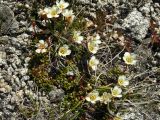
(56, 94)
(8, 23)
(137, 24)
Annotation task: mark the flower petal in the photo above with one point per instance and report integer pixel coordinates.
(44, 50)
(88, 99)
(38, 50)
(41, 41)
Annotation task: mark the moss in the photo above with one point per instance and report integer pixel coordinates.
(39, 72)
(68, 81)
(29, 112)
(78, 24)
(42, 78)
(115, 71)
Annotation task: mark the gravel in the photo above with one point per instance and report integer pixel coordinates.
(16, 88)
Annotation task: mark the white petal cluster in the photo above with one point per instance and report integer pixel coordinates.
(129, 58)
(44, 11)
(77, 37)
(55, 10)
(62, 4)
(92, 47)
(93, 44)
(93, 97)
(64, 50)
(116, 92)
(123, 81)
(68, 15)
(41, 46)
(93, 62)
(96, 39)
(106, 97)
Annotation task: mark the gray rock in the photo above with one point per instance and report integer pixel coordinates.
(13, 56)
(146, 9)
(2, 55)
(137, 24)
(3, 40)
(8, 24)
(30, 83)
(56, 94)
(25, 78)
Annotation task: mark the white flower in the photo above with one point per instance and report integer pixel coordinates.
(62, 4)
(92, 47)
(106, 97)
(77, 37)
(93, 44)
(64, 51)
(93, 97)
(130, 58)
(43, 12)
(123, 81)
(53, 12)
(93, 62)
(46, 10)
(116, 92)
(69, 15)
(96, 39)
(41, 46)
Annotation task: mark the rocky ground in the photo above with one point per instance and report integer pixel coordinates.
(16, 87)
(18, 91)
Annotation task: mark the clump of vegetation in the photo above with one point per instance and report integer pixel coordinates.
(67, 54)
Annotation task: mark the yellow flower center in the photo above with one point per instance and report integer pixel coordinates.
(62, 50)
(92, 63)
(121, 82)
(93, 97)
(115, 92)
(91, 47)
(53, 12)
(41, 46)
(75, 37)
(61, 6)
(129, 59)
(106, 97)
